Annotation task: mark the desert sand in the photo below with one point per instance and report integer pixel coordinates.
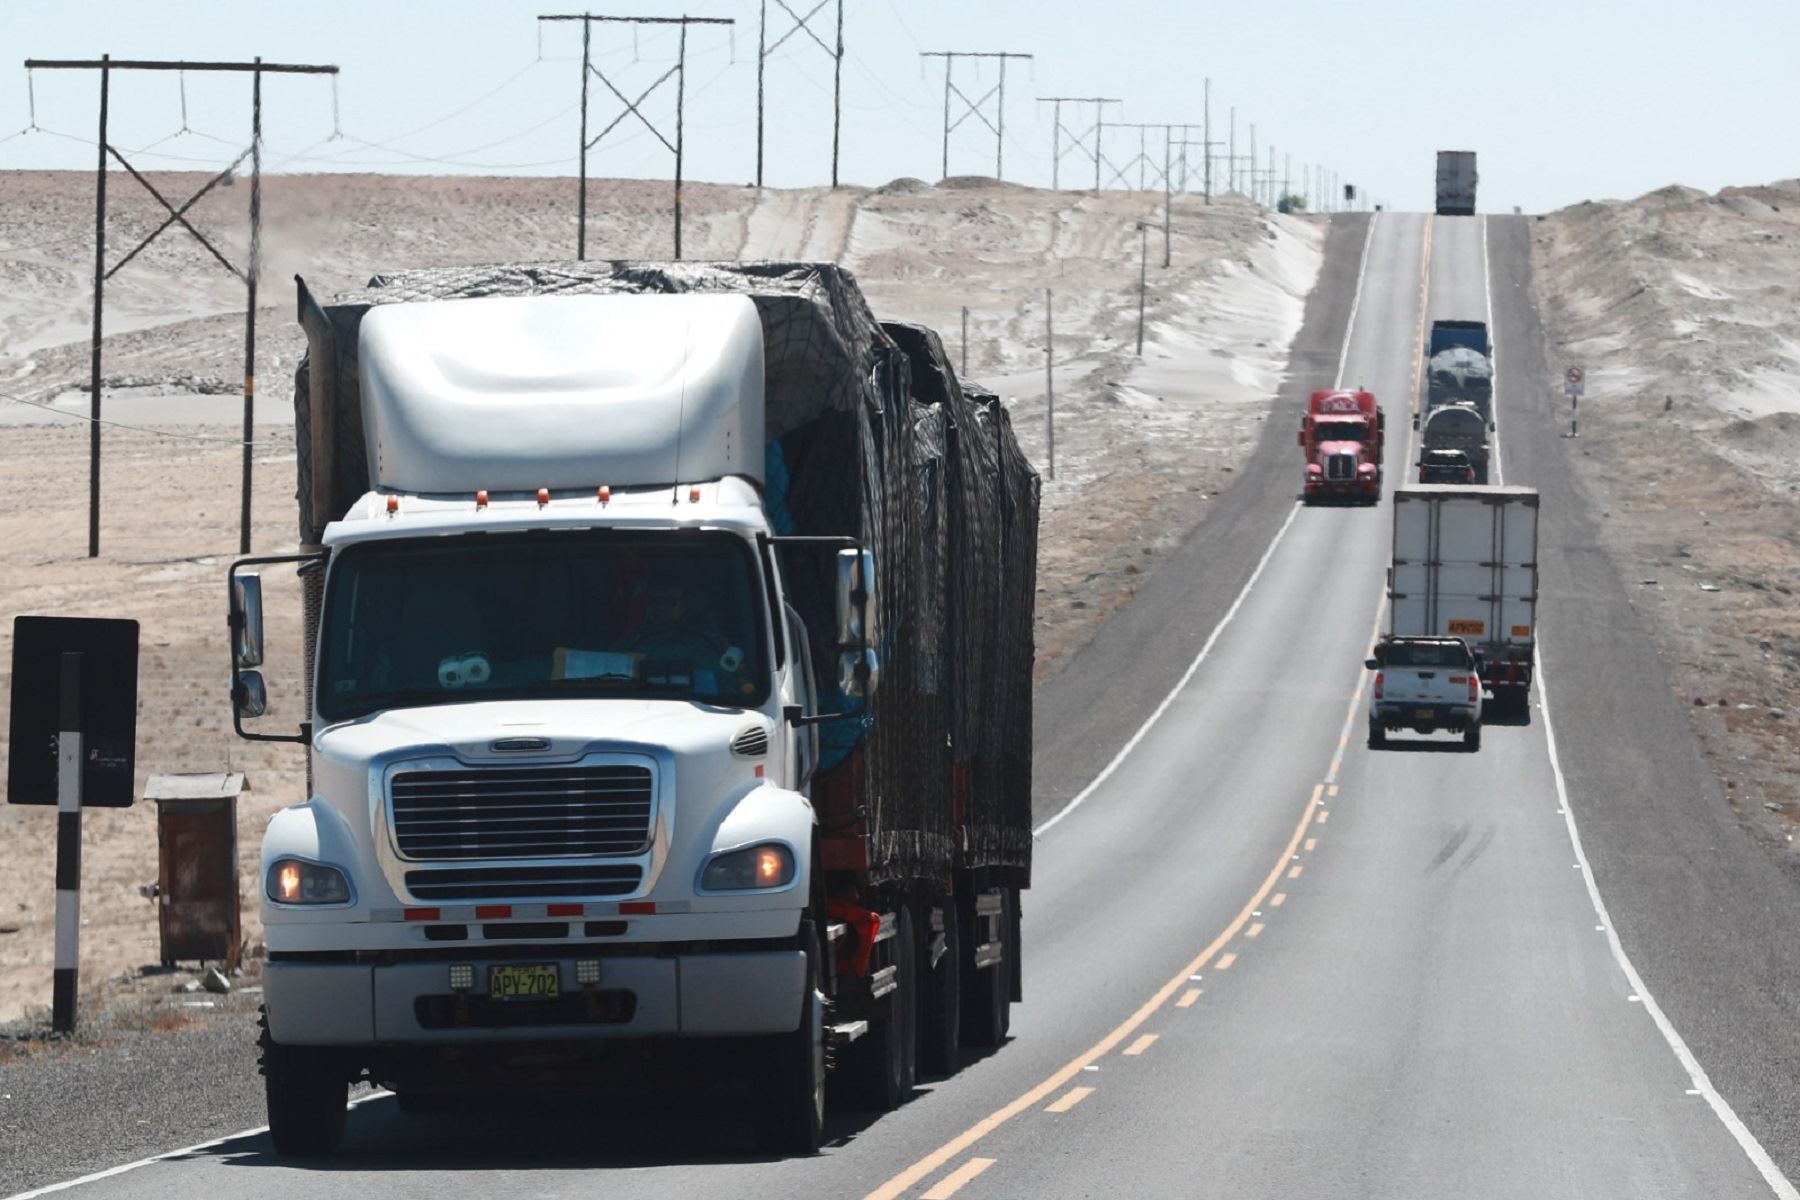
(1142, 445)
(1684, 309)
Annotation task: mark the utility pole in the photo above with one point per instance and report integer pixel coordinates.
(1058, 130)
(1254, 197)
(1206, 137)
(836, 51)
(1049, 383)
(973, 107)
(106, 65)
(1231, 153)
(678, 72)
(1143, 279)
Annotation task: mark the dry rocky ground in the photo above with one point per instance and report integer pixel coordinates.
(1685, 310)
(1155, 438)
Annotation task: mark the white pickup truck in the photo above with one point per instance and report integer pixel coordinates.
(1424, 684)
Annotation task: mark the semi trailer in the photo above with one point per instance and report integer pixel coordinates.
(1456, 180)
(667, 694)
(1465, 565)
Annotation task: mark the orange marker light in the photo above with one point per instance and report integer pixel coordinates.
(481, 498)
(605, 494)
(543, 497)
(770, 866)
(393, 505)
(694, 495)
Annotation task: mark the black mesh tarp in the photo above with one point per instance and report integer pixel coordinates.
(868, 437)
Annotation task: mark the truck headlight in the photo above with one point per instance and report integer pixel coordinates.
(769, 866)
(296, 881)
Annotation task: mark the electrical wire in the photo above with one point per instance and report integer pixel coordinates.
(144, 429)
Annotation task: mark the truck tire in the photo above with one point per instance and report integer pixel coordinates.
(987, 991)
(307, 1091)
(1377, 736)
(792, 1119)
(1472, 737)
(881, 1067)
(940, 1029)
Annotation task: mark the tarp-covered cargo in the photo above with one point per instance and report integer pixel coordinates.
(869, 434)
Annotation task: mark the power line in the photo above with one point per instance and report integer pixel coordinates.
(973, 108)
(106, 65)
(632, 109)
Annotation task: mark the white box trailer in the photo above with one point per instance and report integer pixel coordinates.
(1456, 183)
(1465, 564)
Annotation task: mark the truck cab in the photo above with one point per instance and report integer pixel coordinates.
(1341, 436)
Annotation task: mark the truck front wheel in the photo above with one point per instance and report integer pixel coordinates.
(881, 1068)
(307, 1091)
(791, 1120)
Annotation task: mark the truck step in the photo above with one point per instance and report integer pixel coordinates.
(843, 1034)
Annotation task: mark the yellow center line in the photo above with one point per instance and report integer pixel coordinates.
(1070, 1099)
(1294, 871)
(1324, 815)
(1147, 1040)
(1187, 998)
(1254, 930)
(954, 1182)
(1225, 961)
(1278, 899)
(1310, 843)
(1332, 790)
(911, 1176)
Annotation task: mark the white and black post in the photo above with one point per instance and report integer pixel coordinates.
(68, 848)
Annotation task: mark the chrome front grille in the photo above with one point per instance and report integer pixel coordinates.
(1340, 466)
(566, 811)
(544, 881)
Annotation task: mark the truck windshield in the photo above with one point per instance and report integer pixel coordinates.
(531, 616)
(1342, 431)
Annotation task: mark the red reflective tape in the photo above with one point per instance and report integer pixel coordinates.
(485, 912)
(759, 771)
(638, 908)
(564, 910)
(422, 914)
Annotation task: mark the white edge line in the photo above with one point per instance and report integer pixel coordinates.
(1362, 272)
(1144, 729)
(97, 1176)
(1487, 290)
(1753, 1149)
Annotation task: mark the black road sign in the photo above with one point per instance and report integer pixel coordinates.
(109, 661)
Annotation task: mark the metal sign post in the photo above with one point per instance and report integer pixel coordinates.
(1574, 385)
(73, 735)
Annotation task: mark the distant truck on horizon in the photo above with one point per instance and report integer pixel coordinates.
(1456, 183)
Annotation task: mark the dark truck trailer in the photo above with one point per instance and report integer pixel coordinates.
(920, 785)
(1456, 180)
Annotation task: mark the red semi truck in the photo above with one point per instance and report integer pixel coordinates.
(1341, 435)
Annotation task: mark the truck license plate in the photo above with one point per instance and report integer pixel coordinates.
(1465, 628)
(1424, 714)
(535, 982)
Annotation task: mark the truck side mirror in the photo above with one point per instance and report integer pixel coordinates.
(247, 620)
(1373, 664)
(250, 697)
(1300, 438)
(859, 672)
(856, 606)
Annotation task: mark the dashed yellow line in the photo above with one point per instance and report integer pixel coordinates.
(1278, 899)
(1187, 998)
(1254, 930)
(958, 1179)
(1332, 790)
(1070, 1099)
(1311, 844)
(1225, 961)
(1294, 871)
(1145, 1042)
(1324, 815)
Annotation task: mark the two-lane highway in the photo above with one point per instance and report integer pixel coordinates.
(1261, 958)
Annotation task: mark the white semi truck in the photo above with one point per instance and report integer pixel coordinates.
(1465, 565)
(623, 771)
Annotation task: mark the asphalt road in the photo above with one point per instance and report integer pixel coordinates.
(1261, 959)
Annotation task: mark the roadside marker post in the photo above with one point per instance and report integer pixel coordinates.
(1049, 383)
(1574, 385)
(73, 732)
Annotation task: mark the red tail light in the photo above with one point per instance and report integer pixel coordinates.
(1379, 678)
(1474, 688)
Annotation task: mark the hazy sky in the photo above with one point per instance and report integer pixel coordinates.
(1563, 101)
